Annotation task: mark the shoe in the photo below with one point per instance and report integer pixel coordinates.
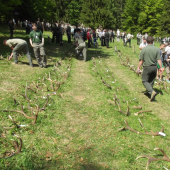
(147, 94)
(153, 95)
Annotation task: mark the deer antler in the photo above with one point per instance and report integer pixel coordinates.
(12, 122)
(127, 127)
(107, 85)
(151, 159)
(46, 103)
(36, 114)
(136, 114)
(22, 112)
(18, 148)
(118, 103)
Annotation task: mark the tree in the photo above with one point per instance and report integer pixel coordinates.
(7, 6)
(163, 23)
(95, 13)
(130, 16)
(34, 9)
(73, 12)
(150, 14)
(119, 7)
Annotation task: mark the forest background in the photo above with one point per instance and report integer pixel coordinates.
(151, 16)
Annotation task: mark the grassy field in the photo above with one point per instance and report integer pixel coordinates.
(79, 119)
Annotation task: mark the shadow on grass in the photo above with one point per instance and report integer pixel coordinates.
(26, 161)
(53, 50)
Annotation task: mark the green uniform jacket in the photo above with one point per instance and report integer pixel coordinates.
(36, 36)
(150, 54)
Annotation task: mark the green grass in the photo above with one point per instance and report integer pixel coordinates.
(78, 129)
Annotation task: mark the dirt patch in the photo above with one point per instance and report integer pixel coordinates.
(79, 98)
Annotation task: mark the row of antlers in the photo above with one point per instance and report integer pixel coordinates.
(127, 112)
(37, 88)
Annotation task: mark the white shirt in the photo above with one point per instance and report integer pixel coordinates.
(100, 34)
(143, 45)
(167, 50)
(129, 36)
(118, 32)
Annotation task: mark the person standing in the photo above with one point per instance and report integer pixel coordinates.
(81, 45)
(167, 61)
(124, 39)
(103, 43)
(54, 32)
(37, 42)
(89, 38)
(162, 46)
(60, 34)
(94, 37)
(149, 57)
(107, 36)
(146, 35)
(11, 28)
(118, 35)
(68, 30)
(129, 36)
(143, 44)
(111, 36)
(18, 45)
(138, 39)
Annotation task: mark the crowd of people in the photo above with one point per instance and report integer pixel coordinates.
(154, 60)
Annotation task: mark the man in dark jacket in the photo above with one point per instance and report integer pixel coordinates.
(107, 37)
(54, 31)
(11, 28)
(68, 30)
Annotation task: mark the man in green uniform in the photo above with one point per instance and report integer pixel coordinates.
(18, 45)
(81, 45)
(37, 42)
(149, 57)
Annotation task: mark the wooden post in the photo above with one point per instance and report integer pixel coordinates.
(133, 48)
(115, 48)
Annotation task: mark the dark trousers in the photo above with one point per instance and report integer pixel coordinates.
(69, 38)
(103, 41)
(138, 41)
(107, 43)
(11, 33)
(128, 41)
(60, 37)
(89, 43)
(148, 77)
(54, 36)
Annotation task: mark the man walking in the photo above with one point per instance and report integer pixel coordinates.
(149, 57)
(81, 45)
(37, 42)
(18, 45)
